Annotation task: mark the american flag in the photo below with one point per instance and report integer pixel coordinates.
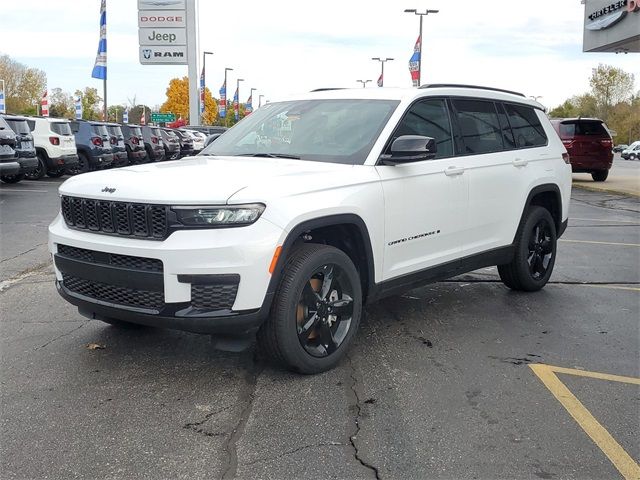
(44, 105)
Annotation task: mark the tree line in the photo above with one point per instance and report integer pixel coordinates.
(612, 98)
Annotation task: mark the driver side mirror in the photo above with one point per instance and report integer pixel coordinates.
(410, 148)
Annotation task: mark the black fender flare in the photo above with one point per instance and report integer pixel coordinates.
(544, 188)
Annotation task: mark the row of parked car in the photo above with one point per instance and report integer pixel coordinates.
(32, 147)
(629, 152)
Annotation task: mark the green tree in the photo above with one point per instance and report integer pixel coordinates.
(90, 103)
(24, 86)
(61, 104)
(610, 86)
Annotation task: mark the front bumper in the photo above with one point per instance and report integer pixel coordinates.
(9, 168)
(189, 258)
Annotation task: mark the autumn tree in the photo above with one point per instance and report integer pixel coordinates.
(24, 86)
(610, 86)
(61, 104)
(178, 101)
(90, 103)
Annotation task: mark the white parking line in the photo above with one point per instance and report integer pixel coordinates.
(23, 190)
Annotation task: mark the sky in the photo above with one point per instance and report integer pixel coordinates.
(282, 47)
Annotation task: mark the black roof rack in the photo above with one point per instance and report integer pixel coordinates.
(457, 85)
(328, 89)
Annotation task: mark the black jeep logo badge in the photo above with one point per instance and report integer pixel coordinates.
(108, 190)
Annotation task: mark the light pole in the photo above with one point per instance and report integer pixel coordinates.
(226, 103)
(237, 117)
(421, 14)
(260, 100)
(203, 82)
(364, 82)
(382, 62)
(536, 97)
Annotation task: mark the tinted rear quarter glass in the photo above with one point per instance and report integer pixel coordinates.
(61, 128)
(115, 131)
(583, 127)
(479, 126)
(526, 126)
(507, 134)
(100, 130)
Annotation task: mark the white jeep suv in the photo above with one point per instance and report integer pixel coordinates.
(55, 146)
(308, 208)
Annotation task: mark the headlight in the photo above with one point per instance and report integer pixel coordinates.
(219, 216)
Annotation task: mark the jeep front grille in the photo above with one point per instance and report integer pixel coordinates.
(116, 218)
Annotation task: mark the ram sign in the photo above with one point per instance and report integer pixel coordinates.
(160, 55)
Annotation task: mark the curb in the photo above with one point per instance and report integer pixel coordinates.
(605, 190)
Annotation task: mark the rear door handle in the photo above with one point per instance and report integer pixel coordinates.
(451, 171)
(519, 162)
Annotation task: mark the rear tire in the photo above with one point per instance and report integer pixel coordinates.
(12, 178)
(40, 170)
(600, 175)
(316, 311)
(56, 173)
(535, 253)
(81, 167)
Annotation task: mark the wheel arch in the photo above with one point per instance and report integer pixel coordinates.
(547, 196)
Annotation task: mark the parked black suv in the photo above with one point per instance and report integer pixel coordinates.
(120, 157)
(134, 143)
(8, 164)
(153, 143)
(94, 146)
(171, 144)
(25, 151)
(186, 143)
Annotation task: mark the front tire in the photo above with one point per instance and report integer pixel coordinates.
(81, 167)
(600, 175)
(316, 311)
(12, 178)
(535, 253)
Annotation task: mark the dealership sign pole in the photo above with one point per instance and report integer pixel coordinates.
(168, 35)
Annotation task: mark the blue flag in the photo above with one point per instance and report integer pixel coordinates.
(222, 109)
(100, 67)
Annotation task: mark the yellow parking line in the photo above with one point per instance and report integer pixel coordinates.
(600, 436)
(601, 243)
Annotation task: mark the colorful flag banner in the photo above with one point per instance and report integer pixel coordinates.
(44, 105)
(380, 80)
(100, 67)
(248, 108)
(143, 118)
(3, 105)
(414, 64)
(222, 108)
(125, 116)
(236, 105)
(79, 108)
(202, 92)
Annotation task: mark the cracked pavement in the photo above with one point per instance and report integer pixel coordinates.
(437, 384)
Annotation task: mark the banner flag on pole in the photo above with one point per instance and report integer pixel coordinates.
(3, 106)
(248, 108)
(100, 67)
(44, 105)
(222, 108)
(236, 105)
(380, 80)
(79, 108)
(143, 118)
(202, 92)
(414, 64)
(125, 116)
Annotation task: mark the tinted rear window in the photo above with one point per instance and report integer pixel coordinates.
(115, 131)
(135, 131)
(155, 131)
(18, 126)
(581, 127)
(479, 126)
(526, 127)
(61, 128)
(100, 129)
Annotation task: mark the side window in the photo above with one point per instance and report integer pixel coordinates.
(479, 126)
(526, 127)
(429, 118)
(74, 127)
(507, 135)
(32, 124)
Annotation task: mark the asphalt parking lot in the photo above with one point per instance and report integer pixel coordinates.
(440, 382)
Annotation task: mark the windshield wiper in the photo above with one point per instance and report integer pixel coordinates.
(269, 155)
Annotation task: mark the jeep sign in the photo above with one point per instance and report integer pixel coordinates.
(162, 36)
(159, 55)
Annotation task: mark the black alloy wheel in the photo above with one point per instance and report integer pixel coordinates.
(540, 249)
(81, 167)
(40, 170)
(325, 311)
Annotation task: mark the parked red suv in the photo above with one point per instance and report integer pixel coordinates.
(589, 144)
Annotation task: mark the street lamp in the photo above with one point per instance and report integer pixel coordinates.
(203, 82)
(421, 14)
(226, 103)
(260, 100)
(364, 82)
(535, 97)
(382, 62)
(237, 115)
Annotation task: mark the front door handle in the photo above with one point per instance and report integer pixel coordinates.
(519, 162)
(451, 171)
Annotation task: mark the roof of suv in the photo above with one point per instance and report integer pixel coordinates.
(575, 119)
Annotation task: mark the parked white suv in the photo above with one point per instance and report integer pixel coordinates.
(308, 208)
(55, 146)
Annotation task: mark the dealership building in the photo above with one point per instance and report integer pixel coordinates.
(611, 26)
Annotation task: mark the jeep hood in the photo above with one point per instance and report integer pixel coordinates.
(197, 180)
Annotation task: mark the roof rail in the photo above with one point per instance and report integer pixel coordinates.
(328, 89)
(457, 85)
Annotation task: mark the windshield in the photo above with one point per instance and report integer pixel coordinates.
(61, 128)
(115, 131)
(19, 126)
(337, 131)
